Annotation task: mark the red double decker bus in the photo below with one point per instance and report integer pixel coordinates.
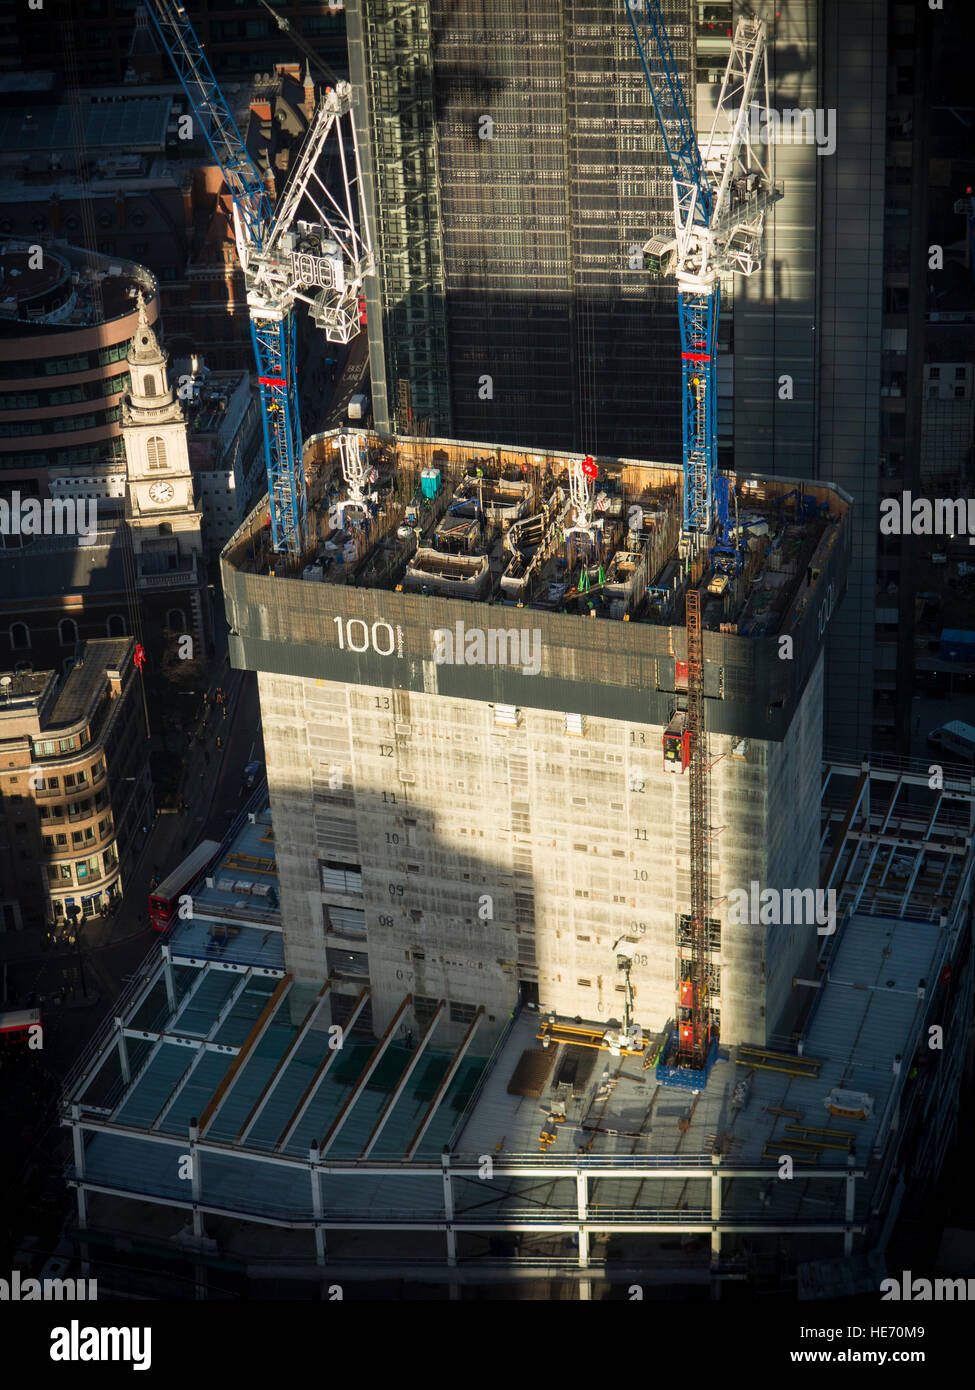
(16, 1025)
(164, 899)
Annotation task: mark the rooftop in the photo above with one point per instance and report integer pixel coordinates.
(511, 527)
(239, 896)
(21, 688)
(87, 678)
(75, 288)
(25, 131)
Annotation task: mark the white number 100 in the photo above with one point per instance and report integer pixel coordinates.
(381, 637)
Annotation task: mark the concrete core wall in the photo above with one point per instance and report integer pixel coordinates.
(492, 855)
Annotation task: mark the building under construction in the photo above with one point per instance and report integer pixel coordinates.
(477, 700)
(477, 862)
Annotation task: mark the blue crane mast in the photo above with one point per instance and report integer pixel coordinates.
(284, 258)
(697, 309)
(273, 337)
(720, 199)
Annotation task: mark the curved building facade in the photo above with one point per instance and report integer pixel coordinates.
(67, 318)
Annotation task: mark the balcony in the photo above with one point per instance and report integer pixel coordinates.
(155, 571)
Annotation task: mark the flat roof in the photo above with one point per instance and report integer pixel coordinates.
(290, 1092)
(25, 131)
(241, 890)
(87, 678)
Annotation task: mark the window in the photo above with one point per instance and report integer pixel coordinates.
(960, 393)
(59, 873)
(176, 620)
(156, 451)
(345, 921)
(115, 627)
(347, 963)
(150, 387)
(462, 1013)
(19, 636)
(67, 632)
(341, 878)
(87, 868)
(424, 1007)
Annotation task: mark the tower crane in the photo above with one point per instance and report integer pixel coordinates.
(721, 196)
(320, 260)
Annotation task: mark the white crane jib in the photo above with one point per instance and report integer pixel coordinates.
(727, 236)
(322, 257)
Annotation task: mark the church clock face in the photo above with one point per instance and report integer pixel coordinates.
(162, 492)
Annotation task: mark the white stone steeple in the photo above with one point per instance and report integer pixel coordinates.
(160, 506)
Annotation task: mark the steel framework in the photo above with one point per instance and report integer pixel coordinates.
(720, 201)
(695, 1030)
(279, 264)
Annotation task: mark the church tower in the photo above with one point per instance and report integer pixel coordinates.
(163, 519)
(160, 509)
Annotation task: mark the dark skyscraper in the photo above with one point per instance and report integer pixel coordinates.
(516, 170)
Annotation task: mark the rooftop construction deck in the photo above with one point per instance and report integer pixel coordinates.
(503, 526)
(430, 524)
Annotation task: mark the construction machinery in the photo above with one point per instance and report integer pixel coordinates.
(309, 249)
(721, 196)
